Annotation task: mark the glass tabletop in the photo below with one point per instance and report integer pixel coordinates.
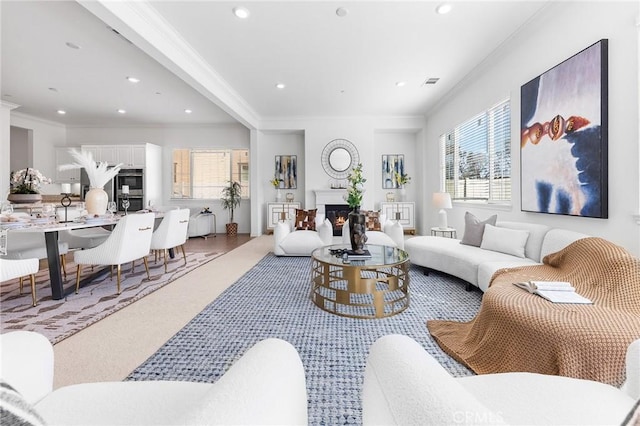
(380, 256)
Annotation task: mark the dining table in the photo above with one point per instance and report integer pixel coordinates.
(51, 230)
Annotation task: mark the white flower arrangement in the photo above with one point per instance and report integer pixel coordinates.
(28, 181)
(99, 173)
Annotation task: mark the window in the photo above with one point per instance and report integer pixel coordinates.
(202, 173)
(475, 163)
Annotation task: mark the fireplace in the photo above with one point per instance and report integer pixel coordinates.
(337, 215)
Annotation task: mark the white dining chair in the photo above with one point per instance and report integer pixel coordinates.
(84, 238)
(20, 268)
(130, 240)
(31, 244)
(171, 233)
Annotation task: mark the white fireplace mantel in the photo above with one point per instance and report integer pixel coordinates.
(329, 196)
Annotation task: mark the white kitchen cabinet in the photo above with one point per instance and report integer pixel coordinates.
(64, 157)
(102, 153)
(407, 212)
(274, 210)
(127, 155)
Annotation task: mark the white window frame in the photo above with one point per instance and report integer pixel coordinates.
(497, 139)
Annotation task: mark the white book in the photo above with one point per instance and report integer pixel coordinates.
(554, 291)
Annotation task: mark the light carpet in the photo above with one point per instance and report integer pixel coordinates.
(272, 300)
(59, 319)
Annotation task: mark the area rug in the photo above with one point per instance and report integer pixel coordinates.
(59, 319)
(272, 300)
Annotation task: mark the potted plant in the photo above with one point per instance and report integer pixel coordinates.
(231, 196)
(25, 186)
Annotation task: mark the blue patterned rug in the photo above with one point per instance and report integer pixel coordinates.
(272, 300)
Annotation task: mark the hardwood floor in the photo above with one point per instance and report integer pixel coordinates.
(219, 243)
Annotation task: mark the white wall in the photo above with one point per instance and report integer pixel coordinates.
(559, 32)
(170, 137)
(46, 135)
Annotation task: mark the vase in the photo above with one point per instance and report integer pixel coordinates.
(357, 230)
(24, 198)
(96, 200)
(278, 196)
(403, 194)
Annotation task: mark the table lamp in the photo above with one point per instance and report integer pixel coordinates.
(442, 201)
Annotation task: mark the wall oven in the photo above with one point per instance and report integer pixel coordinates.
(129, 183)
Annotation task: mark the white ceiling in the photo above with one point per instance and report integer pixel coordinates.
(332, 66)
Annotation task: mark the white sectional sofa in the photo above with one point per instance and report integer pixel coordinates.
(477, 265)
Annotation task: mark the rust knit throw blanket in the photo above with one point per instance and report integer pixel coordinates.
(515, 330)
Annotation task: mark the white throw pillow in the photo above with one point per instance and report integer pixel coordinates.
(504, 240)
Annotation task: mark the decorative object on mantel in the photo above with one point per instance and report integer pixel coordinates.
(25, 186)
(338, 184)
(391, 197)
(96, 199)
(357, 220)
(289, 197)
(231, 197)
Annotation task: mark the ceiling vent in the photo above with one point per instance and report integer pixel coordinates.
(119, 35)
(431, 80)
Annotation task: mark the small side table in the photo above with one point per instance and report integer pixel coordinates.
(444, 232)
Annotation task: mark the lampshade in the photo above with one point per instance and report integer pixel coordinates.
(442, 200)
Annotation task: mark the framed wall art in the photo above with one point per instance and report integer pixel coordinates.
(287, 171)
(564, 137)
(391, 163)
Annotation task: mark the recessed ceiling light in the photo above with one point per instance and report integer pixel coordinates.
(444, 8)
(122, 111)
(188, 111)
(280, 86)
(61, 112)
(6, 95)
(400, 83)
(342, 12)
(53, 89)
(72, 45)
(241, 12)
(133, 79)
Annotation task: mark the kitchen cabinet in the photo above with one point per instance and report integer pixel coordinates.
(407, 212)
(127, 155)
(64, 157)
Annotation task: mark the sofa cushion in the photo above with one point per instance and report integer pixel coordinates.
(306, 219)
(537, 234)
(504, 240)
(373, 220)
(474, 229)
(301, 243)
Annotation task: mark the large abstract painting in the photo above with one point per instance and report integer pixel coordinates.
(564, 137)
(391, 165)
(287, 171)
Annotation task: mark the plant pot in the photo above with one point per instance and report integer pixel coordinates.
(357, 231)
(96, 200)
(24, 198)
(232, 229)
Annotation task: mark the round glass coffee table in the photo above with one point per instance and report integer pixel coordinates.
(369, 288)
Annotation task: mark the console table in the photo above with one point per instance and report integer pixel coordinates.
(407, 210)
(274, 210)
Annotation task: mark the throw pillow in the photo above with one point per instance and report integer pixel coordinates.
(373, 220)
(14, 409)
(306, 219)
(474, 229)
(504, 240)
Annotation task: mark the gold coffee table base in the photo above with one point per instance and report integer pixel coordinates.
(359, 290)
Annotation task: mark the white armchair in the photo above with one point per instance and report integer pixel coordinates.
(171, 233)
(392, 234)
(20, 268)
(403, 384)
(129, 241)
(265, 386)
(291, 242)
